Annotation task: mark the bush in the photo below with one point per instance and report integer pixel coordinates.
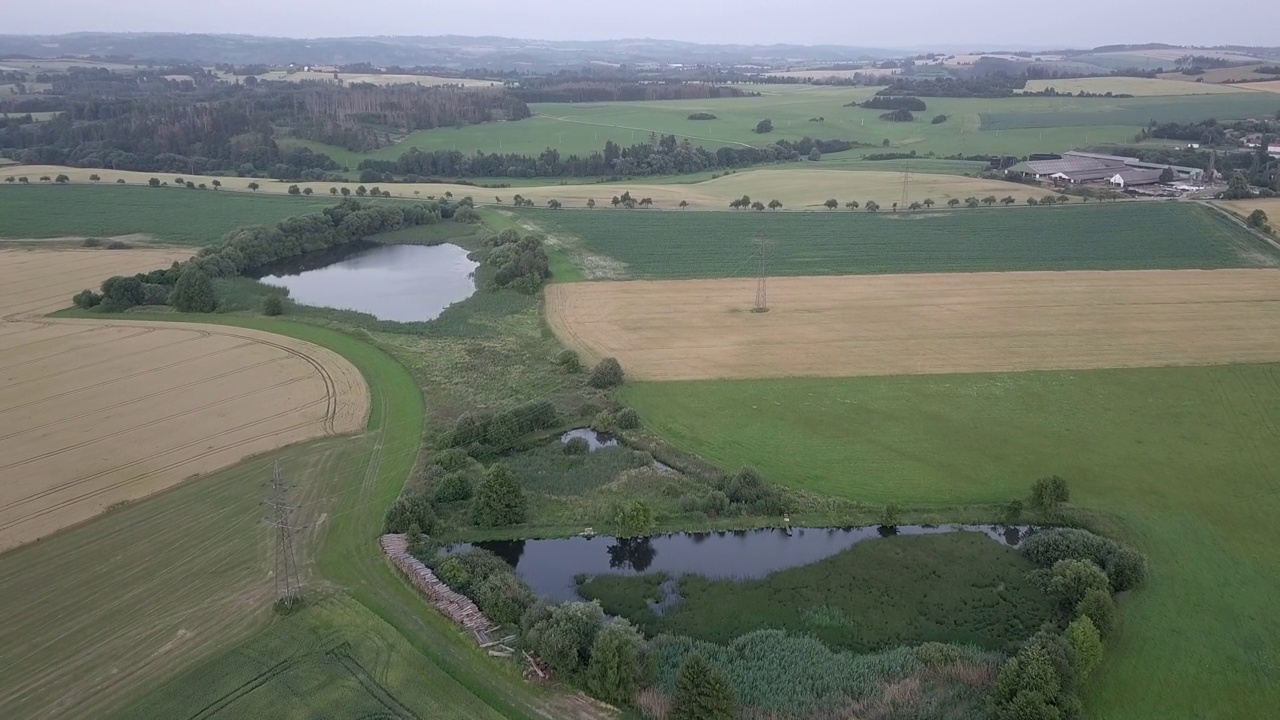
(1011, 513)
(86, 299)
(501, 500)
(1086, 642)
(938, 119)
(453, 572)
(617, 668)
(570, 361)
(1125, 566)
(503, 597)
(702, 693)
(634, 518)
(1048, 493)
(497, 431)
(409, 510)
(1027, 687)
(626, 419)
(1098, 606)
(1071, 580)
(273, 305)
(702, 116)
(454, 487)
(606, 374)
(764, 126)
(193, 292)
(936, 654)
(564, 635)
(891, 515)
(577, 446)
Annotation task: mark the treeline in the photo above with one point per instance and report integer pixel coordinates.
(987, 86)
(159, 125)
(882, 102)
(598, 91)
(665, 155)
(188, 285)
(362, 116)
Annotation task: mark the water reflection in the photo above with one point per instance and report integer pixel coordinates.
(549, 566)
(404, 283)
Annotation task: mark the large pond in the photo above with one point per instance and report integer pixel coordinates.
(549, 566)
(404, 283)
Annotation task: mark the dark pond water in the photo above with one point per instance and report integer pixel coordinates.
(404, 283)
(549, 566)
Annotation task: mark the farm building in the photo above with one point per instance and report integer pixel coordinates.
(1082, 167)
(1135, 177)
(1066, 170)
(1181, 172)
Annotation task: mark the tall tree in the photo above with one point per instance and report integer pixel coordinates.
(193, 292)
(702, 693)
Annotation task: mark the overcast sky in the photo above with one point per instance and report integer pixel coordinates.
(981, 23)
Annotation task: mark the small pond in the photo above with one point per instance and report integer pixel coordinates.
(549, 566)
(595, 440)
(403, 283)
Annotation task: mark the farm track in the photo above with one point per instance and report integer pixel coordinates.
(99, 412)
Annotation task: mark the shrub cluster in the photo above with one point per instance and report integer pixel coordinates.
(407, 510)
(609, 658)
(488, 580)
(1124, 565)
(747, 491)
(484, 432)
(519, 263)
(881, 102)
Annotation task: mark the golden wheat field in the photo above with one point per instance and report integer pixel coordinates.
(923, 323)
(98, 412)
(796, 188)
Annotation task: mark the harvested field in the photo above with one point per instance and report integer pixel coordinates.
(95, 413)
(1271, 86)
(1138, 87)
(798, 188)
(923, 324)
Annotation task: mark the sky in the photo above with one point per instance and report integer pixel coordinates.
(918, 24)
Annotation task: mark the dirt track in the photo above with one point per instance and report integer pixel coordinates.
(923, 324)
(96, 412)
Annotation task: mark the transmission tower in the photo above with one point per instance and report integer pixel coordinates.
(906, 185)
(288, 585)
(762, 289)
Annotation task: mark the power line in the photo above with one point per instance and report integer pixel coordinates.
(762, 281)
(288, 584)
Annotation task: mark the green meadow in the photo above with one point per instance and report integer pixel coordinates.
(1182, 462)
(975, 126)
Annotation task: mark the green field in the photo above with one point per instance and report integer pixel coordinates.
(961, 588)
(1181, 461)
(1093, 236)
(335, 660)
(975, 126)
(171, 214)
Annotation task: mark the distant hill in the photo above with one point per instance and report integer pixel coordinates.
(449, 51)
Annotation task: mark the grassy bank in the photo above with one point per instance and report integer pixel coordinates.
(1179, 461)
(1095, 236)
